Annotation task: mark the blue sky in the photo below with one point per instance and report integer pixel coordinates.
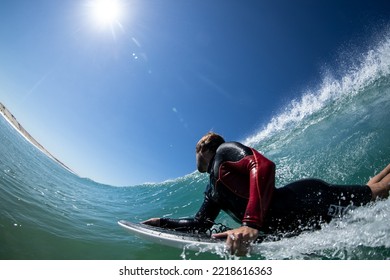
(125, 101)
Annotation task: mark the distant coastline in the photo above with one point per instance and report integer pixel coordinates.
(12, 120)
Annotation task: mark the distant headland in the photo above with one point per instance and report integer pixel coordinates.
(12, 120)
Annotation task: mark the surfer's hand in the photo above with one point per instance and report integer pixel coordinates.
(238, 240)
(152, 222)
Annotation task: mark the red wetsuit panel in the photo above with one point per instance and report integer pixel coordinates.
(253, 178)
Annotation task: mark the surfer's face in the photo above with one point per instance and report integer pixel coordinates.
(203, 159)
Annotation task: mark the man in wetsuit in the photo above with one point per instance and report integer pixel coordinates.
(242, 183)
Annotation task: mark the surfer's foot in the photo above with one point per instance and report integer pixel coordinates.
(380, 184)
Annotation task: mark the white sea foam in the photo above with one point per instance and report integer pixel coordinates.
(364, 227)
(374, 65)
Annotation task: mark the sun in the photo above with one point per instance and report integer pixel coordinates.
(106, 12)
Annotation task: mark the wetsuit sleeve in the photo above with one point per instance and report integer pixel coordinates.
(252, 177)
(203, 220)
(261, 186)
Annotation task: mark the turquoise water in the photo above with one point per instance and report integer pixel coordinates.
(338, 131)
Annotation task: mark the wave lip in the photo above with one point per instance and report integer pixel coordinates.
(374, 66)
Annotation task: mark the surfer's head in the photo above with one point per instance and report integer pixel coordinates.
(206, 148)
(211, 141)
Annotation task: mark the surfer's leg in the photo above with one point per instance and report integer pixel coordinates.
(322, 201)
(306, 204)
(298, 206)
(380, 184)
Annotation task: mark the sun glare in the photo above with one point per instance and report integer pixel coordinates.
(106, 12)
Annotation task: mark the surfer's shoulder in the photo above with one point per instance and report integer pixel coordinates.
(232, 151)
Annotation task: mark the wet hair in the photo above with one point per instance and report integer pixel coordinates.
(211, 141)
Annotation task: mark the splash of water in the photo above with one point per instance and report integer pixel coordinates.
(374, 67)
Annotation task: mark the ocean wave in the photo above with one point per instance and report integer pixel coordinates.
(369, 69)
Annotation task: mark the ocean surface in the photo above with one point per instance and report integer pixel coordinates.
(338, 131)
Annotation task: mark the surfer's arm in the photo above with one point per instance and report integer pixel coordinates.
(203, 220)
(252, 176)
(261, 186)
(247, 174)
(238, 240)
(184, 224)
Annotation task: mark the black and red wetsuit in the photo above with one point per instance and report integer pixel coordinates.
(242, 183)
